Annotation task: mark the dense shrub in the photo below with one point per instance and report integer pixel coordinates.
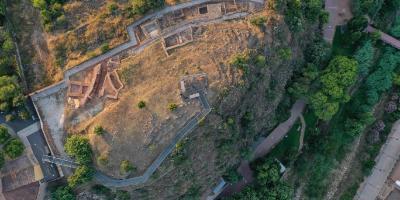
(102, 160)
(122, 195)
(172, 106)
(231, 175)
(241, 61)
(141, 104)
(4, 135)
(356, 27)
(82, 174)
(381, 79)
(268, 184)
(258, 21)
(318, 52)
(63, 193)
(143, 6)
(52, 13)
(126, 167)
(98, 130)
(365, 58)
(369, 7)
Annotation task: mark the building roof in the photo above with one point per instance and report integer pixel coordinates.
(27, 192)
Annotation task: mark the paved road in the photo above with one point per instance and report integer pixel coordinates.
(264, 148)
(389, 154)
(182, 133)
(385, 37)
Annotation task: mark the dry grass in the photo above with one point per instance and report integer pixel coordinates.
(139, 135)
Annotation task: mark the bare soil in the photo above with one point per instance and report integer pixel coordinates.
(139, 135)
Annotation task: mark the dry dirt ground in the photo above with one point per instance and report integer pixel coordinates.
(139, 135)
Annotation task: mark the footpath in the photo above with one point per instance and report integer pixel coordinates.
(264, 148)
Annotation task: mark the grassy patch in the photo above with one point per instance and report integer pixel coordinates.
(341, 45)
(287, 149)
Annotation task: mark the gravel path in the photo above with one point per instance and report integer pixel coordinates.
(341, 173)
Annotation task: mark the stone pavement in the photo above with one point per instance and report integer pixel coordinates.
(339, 13)
(389, 154)
(385, 37)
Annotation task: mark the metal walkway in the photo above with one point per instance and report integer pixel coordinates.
(66, 162)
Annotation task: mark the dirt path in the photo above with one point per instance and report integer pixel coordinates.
(339, 13)
(341, 173)
(302, 132)
(264, 148)
(279, 132)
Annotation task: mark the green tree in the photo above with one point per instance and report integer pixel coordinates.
(122, 195)
(172, 106)
(365, 58)
(356, 28)
(340, 74)
(141, 104)
(82, 174)
(63, 193)
(268, 173)
(285, 53)
(10, 93)
(78, 147)
(248, 193)
(8, 45)
(280, 191)
(353, 127)
(14, 148)
(41, 4)
(312, 9)
(318, 52)
(381, 79)
(4, 135)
